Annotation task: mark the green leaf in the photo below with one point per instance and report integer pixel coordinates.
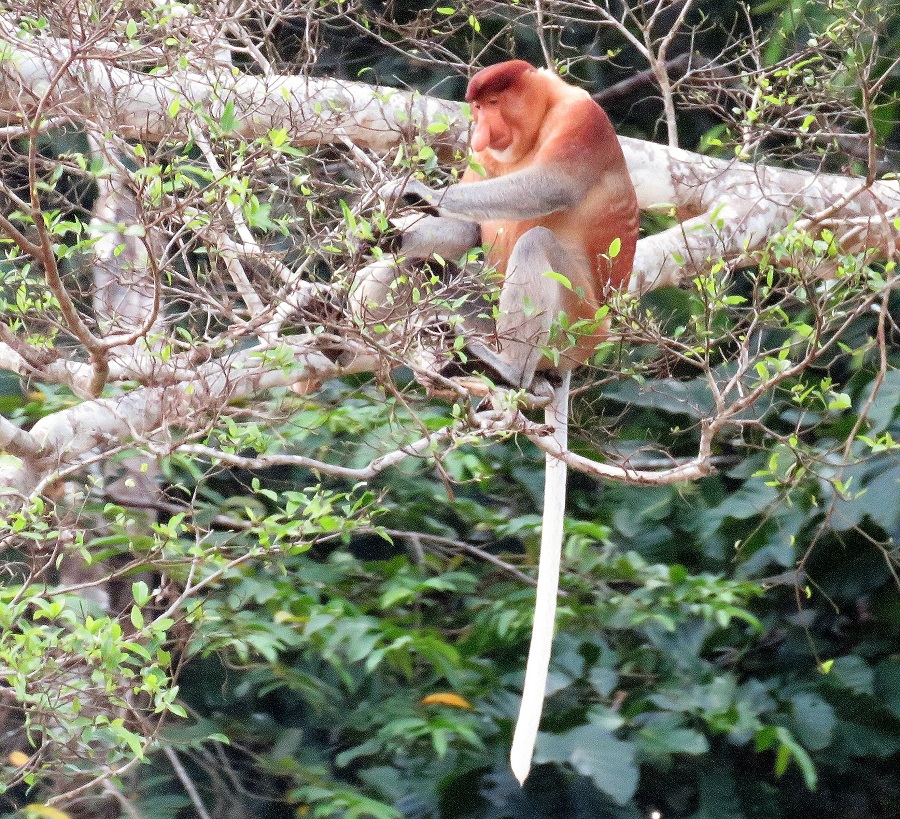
(787, 749)
(593, 751)
(552, 274)
(863, 741)
(664, 735)
(229, 121)
(839, 401)
(137, 618)
(814, 720)
(140, 593)
(852, 672)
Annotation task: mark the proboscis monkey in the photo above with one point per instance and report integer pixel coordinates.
(558, 213)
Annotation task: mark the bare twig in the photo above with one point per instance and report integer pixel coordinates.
(186, 782)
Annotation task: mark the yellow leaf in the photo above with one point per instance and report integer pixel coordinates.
(446, 698)
(46, 812)
(18, 759)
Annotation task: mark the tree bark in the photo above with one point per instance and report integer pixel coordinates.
(729, 209)
(734, 207)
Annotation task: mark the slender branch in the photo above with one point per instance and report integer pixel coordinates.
(126, 804)
(251, 298)
(658, 65)
(875, 386)
(187, 782)
(421, 447)
(539, 31)
(107, 773)
(461, 545)
(44, 248)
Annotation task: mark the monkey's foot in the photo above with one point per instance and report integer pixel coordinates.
(541, 389)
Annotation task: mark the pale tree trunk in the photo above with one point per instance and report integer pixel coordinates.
(729, 211)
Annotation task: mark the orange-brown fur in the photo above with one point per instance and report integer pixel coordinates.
(535, 118)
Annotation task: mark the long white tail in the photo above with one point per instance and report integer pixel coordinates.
(556, 415)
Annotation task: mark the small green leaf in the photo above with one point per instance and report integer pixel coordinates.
(551, 274)
(137, 618)
(814, 720)
(839, 401)
(228, 122)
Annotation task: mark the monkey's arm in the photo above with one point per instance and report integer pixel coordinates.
(372, 296)
(526, 194)
(423, 236)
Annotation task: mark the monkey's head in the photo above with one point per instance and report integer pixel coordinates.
(509, 101)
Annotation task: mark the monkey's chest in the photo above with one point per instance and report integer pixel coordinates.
(500, 238)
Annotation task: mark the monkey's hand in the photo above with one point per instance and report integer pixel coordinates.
(411, 193)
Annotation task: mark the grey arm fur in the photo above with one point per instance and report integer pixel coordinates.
(448, 237)
(524, 194)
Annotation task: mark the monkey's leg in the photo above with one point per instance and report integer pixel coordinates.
(530, 301)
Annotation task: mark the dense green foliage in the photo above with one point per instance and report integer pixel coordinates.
(726, 649)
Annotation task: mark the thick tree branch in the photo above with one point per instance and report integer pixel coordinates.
(16, 441)
(730, 209)
(739, 207)
(735, 206)
(64, 438)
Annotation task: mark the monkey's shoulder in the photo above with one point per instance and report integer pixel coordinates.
(578, 132)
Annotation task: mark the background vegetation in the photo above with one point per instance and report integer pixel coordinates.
(183, 637)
